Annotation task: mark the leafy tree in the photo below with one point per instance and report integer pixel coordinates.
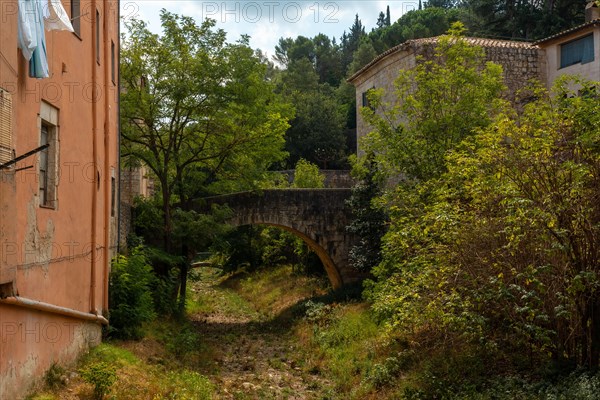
(299, 78)
(302, 48)
(307, 175)
(328, 60)
(369, 220)
(525, 20)
(320, 52)
(199, 113)
(362, 56)
(272, 69)
(381, 20)
(415, 24)
(501, 248)
(440, 3)
(439, 103)
(493, 241)
(534, 176)
(282, 49)
(388, 18)
(350, 42)
(317, 131)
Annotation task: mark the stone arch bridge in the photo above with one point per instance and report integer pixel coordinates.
(318, 216)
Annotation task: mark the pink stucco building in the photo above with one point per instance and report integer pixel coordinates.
(57, 202)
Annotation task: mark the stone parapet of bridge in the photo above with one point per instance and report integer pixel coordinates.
(318, 216)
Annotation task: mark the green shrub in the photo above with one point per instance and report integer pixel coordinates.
(185, 341)
(55, 376)
(307, 175)
(383, 374)
(130, 296)
(164, 288)
(101, 376)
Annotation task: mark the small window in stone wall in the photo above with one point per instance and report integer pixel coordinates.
(6, 127)
(365, 99)
(579, 51)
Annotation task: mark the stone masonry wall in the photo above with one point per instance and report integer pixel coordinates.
(521, 63)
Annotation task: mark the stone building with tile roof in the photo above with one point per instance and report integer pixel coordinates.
(521, 63)
(574, 51)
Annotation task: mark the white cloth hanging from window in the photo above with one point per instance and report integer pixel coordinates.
(34, 17)
(58, 19)
(31, 35)
(27, 39)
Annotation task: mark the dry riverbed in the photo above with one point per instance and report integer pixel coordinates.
(254, 353)
(238, 343)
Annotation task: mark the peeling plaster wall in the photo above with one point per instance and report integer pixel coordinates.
(37, 246)
(7, 223)
(46, 252)
(33, 339)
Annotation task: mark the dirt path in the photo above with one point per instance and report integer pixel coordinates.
(253, 358)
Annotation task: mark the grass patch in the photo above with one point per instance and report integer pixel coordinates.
(42, 396)
(273, 290)
(111, 354)
(202, 298)
(342, 342)
(135, 379)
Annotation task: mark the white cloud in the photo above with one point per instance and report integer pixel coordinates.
(266, 20)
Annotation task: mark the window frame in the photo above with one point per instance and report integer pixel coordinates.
(113, 62)
(48, 158)
(563, 48)
(98, 41)
(6, 126)
(365, 98)
(76, 17)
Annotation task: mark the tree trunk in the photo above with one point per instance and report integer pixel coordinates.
(166, 197)
(595, 332)
(183, 284)
(590, 335)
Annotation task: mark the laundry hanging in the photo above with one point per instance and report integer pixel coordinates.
(27, 40)
(31, 36)
(58, 19)
(34, 17)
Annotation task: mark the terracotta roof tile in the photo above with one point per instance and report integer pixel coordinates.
(568, 31)
(483, 42)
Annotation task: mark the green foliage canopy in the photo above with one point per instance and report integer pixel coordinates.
(494, 227)
(439, 103)
(307, 175)
(197, 111)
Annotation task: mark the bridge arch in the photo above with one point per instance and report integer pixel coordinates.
(317, 216)
(330, 268)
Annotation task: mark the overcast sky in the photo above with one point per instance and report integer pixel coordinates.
(266, 21)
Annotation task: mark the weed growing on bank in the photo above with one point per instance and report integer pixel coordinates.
(110, 371)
